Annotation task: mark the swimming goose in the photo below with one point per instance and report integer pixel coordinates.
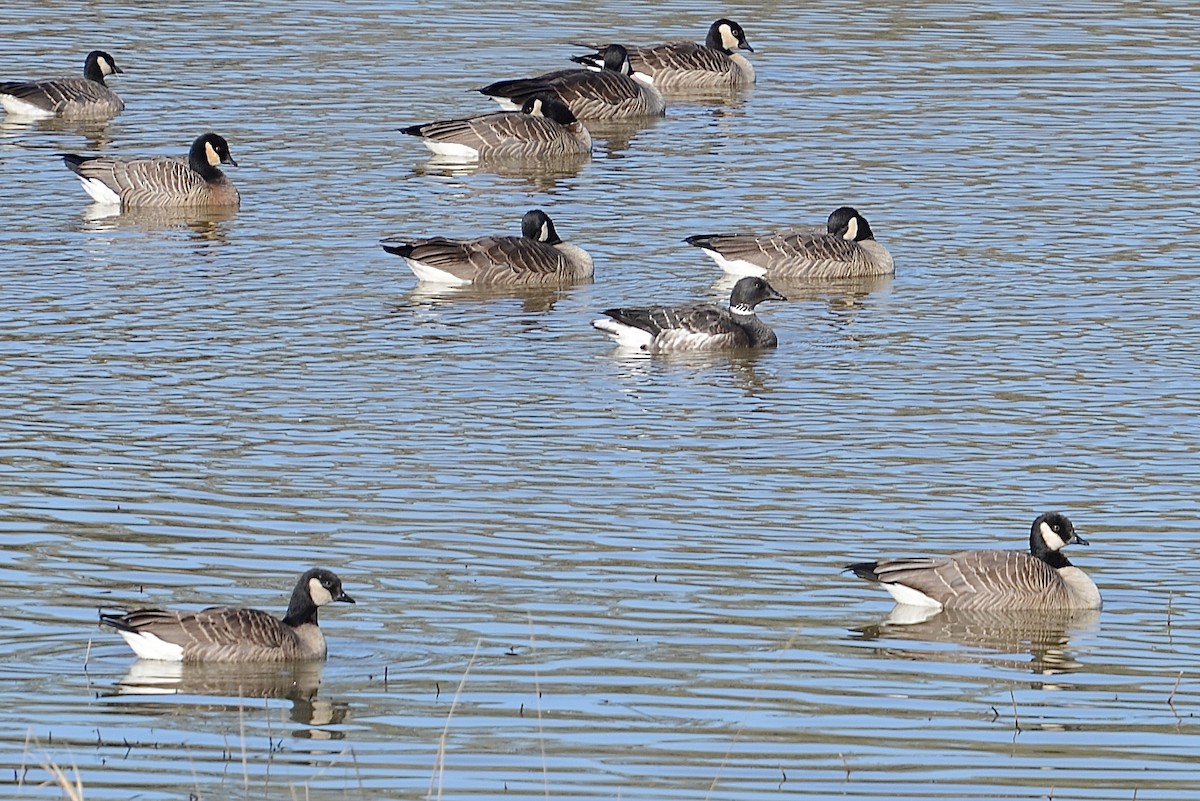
(610, 94)
(662, 329)
(686, 65)
(86, 98)
(228, 634)
(160, 181)
(543, 128)
(536, 258)
(1040, 579)
(848, 250)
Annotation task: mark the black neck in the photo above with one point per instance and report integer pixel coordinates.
(1056, 559)
(301, 610)
(759, 333)
(92, 72)
(199, 162)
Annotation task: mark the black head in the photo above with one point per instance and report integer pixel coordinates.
(750, 291)
(725, 34)
(544, 104)
(323, 587)
(1050, 533)
(537, 225)
(616, 59)
(850, 225)
(208, 151)
(99, 64)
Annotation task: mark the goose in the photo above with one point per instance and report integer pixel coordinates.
(610, 94)
(847, 250)
(702, 327)
(229, 634)
(675, 66)
(536, 258)
(987, 580)
(543, 128)
(160, 181)
(85, 98)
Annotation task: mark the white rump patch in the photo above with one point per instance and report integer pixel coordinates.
(627, 336)
(100, 191)
(507, 104)
(316, 590)
(148, 646)
(736, 266)
(20, 108)
(1052, 540)
(452, 150)
(426, 272)
(907, 595)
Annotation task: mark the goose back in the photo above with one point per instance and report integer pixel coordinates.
(684, 65)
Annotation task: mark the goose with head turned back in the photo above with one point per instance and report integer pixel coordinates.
(680, 66)
(846, 250)
(160, 181)
(1042, 578)
(229, 634)
(699, 327)
(609, 94)
(536, 258)
(543, 128)
(86, 98)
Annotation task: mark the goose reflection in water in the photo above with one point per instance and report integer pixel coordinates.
(1044, 636)
(205, 223)
(543, 174)
(226, 685)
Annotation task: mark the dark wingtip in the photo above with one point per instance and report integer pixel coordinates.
(864, 570)
(397, 247)
(413, 130)
(699, 240)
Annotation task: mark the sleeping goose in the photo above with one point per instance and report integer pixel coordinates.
(86, 98)
(610, 94)
(543, 128)
(160, 181)
(1043, 578)
(229, 634)
(662, 329)
(536, 258)
(847, 250)
(678, 66)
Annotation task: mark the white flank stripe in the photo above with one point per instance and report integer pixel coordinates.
(506, 104)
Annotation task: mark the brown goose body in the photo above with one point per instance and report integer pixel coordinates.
(611, 93)
(848, 251)
(86, 98)
(227, 634)
(160, 181)
(682, 66)
(1041, 578)
(544, 128)
(536, 258)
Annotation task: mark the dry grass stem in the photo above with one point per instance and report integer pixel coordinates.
(439, 766)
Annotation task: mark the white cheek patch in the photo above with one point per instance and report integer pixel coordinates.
(1052, 540)
(316, 590)
(210, 153)
(851, 230)
(536, 109)
(545, 235)
(727, 38)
